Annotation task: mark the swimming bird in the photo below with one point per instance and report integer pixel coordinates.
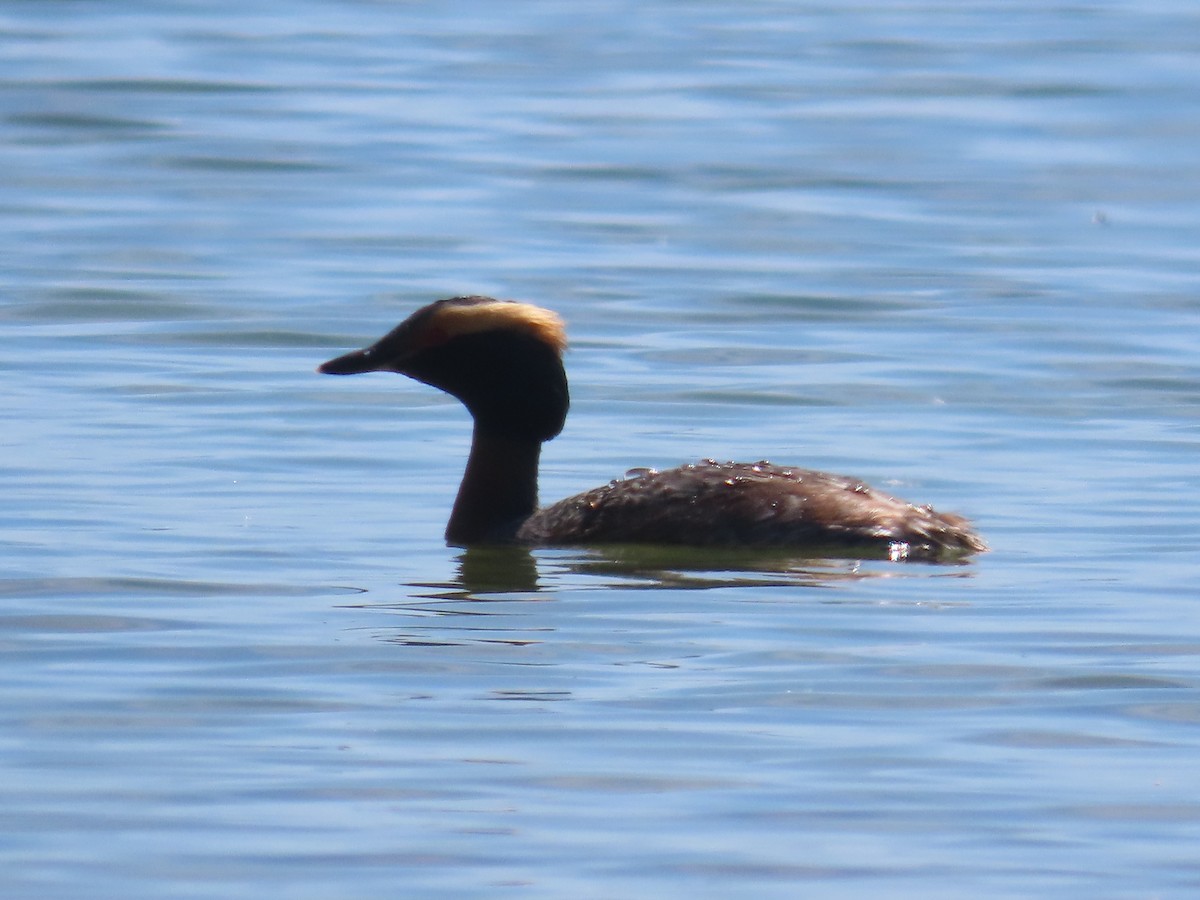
(503, 360)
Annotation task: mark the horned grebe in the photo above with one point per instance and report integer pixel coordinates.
(503, 360)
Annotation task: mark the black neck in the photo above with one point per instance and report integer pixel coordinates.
(498, 490)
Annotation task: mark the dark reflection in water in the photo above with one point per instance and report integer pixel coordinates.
(489, 570)
(483, 572)
(487, 600)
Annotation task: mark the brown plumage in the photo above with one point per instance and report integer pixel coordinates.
(503, 360)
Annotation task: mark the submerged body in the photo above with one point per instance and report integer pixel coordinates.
(503, 360)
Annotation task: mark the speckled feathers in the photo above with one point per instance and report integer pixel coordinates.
(751, 504)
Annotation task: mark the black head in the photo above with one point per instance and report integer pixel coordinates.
(502, 359)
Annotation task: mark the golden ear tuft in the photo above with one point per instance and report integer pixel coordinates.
(453, 320)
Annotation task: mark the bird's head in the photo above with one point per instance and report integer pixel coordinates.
(501, 358)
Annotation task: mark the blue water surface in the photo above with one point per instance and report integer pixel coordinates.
(949, 248)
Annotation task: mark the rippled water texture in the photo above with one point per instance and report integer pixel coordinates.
(950, 249)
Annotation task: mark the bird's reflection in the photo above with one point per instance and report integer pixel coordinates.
(497, 569)
(486, 600)
(507, 569)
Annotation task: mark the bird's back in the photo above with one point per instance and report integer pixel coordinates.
(751, 504)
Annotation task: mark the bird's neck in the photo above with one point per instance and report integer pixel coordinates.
(498, 490)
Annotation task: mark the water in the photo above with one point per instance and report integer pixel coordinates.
(950, 250)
